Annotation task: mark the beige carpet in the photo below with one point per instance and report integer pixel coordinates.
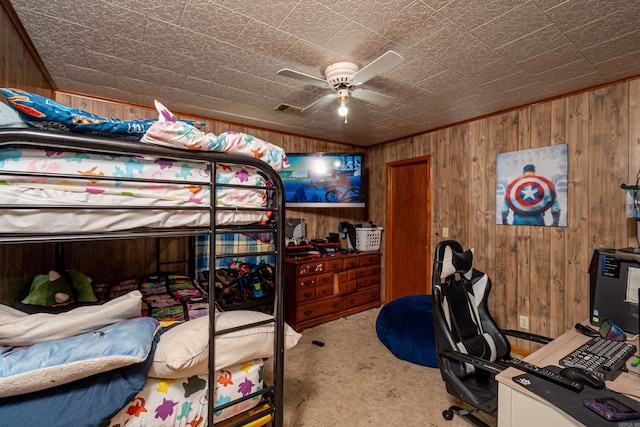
(354, 380)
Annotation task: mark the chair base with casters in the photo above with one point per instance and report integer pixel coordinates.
(447, 414)
(471, 348)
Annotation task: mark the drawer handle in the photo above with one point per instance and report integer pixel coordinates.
(374, 295)
(308, 295)
(361, 273)
(325, 279)
(325, 291)
(308, 312)
(353, 264)
(352, 301)
(336, 305)
(334, 265)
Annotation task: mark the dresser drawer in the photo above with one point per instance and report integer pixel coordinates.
(373, 281)
(361, 297)
(352, 262)
(324, 291)
(361, 272)
(369, 260)
(310, 268)
(344, 282)
(306, 282)
(373, 270)
(320, 308)
(304, 295)
(324, 279)
(333, 265)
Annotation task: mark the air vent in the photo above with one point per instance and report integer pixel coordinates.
(288, 108)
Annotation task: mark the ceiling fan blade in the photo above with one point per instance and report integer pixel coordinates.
(327, 99)
(316, 81)
(379, 66)
(370, 96)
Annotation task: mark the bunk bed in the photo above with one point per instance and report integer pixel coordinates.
(210, 194)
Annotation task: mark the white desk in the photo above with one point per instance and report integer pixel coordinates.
(519, 407)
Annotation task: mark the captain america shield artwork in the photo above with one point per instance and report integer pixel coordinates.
(530, 195)
(531, 187)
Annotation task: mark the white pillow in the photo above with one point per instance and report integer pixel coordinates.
(18, 328)
(53, 363)
(183, 350)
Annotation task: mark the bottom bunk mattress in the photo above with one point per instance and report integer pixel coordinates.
(184, 401)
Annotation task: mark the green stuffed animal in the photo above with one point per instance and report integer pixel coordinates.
(49, 289)
(82, 289)
(54, 289)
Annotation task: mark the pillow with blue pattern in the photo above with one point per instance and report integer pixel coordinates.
(41, 112)
(52, 363)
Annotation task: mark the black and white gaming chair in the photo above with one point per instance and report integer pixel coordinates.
(471, 349)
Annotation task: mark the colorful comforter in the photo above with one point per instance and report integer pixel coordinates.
(183, 402)
(100, 174)
(87, 179)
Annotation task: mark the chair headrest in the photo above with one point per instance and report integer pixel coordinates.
(456, 262)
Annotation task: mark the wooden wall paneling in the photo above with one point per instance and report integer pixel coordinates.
(430, 144)
(634, 152)
(621, 165)
(102, 261)
(18, 69)
(376, 179)
(496, 138)
(139, 258)
(539, 278)
(443, 190)
(20, 263)
(608, 164)
(487, 211)
(173, 254)
(523, 233)
(506, 270)
(462, 177)
(577, 237)
(557, 265)
(479, 195)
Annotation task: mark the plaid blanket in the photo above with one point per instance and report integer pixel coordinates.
(232, 243)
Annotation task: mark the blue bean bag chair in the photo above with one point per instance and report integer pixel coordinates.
(405, 327)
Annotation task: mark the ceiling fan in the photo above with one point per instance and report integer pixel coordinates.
(344, 78)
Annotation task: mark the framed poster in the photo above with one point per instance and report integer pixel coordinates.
(531, 187)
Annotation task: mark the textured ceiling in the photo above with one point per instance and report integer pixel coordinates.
(219, 58)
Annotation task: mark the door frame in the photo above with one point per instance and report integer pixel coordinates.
(390, 169)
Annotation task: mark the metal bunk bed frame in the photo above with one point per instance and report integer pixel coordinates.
(33, 138)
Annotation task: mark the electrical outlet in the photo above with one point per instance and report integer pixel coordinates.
(445, 231)
(524, 323)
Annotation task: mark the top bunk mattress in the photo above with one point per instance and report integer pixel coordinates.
(47, 191)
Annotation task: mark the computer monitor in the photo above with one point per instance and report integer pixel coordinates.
(614, 288)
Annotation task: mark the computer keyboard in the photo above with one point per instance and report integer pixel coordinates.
(603, 357)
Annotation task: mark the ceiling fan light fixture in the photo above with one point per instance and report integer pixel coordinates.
(342, 109)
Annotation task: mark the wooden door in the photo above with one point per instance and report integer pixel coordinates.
(408, 245)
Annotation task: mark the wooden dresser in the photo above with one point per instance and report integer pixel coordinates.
(322, 289)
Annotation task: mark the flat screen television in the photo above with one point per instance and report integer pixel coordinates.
(324, 180)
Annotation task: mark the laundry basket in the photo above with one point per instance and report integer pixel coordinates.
(367, 239)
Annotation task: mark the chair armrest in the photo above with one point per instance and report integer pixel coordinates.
(527, 336)
(478, 362)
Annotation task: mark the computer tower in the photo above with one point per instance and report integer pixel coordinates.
(614, 283)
